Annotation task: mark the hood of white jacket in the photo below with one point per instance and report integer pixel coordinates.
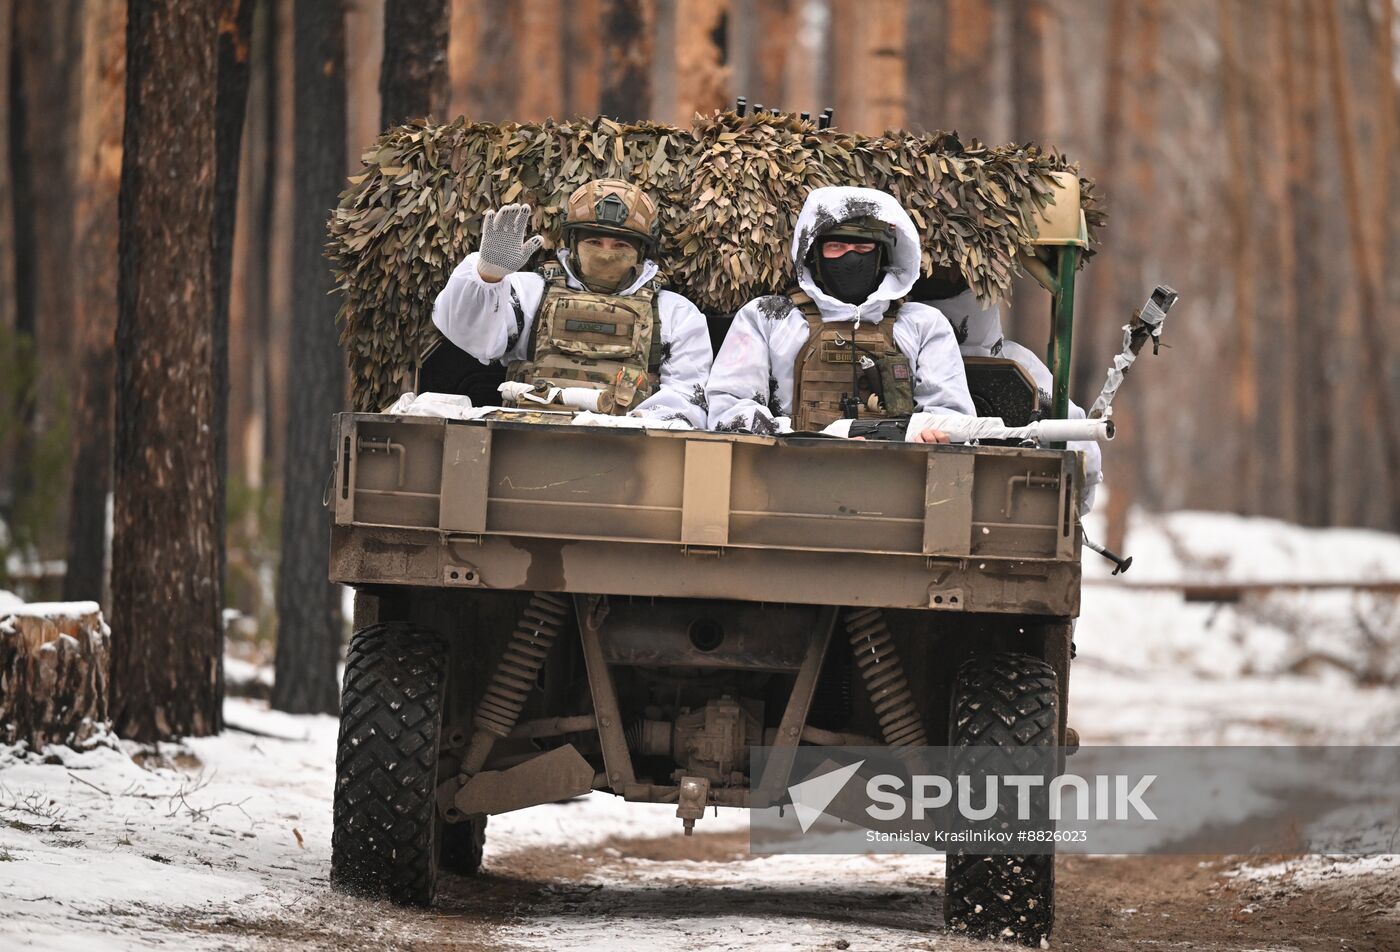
(649, 269)
(977, 326)
(830, 206)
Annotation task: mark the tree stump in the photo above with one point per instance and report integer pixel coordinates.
(53, 673)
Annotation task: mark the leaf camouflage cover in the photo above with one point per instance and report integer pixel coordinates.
(729, 189)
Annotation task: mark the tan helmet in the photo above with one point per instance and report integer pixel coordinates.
(613, 206)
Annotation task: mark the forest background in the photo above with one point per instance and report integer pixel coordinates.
(1244, 150)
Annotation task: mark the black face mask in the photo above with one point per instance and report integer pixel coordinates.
(851, 278)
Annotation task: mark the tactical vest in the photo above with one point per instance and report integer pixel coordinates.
(822, 375)
(583, 338)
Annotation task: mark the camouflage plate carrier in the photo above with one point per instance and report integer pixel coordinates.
(822, 376)
(582, 338)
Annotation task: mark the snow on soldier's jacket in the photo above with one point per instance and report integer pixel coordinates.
(496, 320)
(979, 334)
(753, 381)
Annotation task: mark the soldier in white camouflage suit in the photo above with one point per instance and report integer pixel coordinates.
(595, 318)
(844, 340)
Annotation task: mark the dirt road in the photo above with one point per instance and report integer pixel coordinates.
(708, 892)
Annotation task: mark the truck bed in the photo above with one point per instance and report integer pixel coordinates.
(501, 504)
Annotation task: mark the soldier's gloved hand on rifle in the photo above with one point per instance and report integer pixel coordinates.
(504, 247)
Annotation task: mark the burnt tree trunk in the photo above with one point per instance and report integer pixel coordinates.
(413, 76)
(308, 619)
(626, 59)
(95, 304)
(167, 677)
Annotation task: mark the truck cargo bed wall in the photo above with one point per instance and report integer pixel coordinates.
(510, 505)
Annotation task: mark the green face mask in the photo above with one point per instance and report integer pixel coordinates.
(605, 270)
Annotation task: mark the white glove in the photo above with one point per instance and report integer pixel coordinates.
(504, 248)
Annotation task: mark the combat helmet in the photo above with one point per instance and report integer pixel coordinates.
(613, 207)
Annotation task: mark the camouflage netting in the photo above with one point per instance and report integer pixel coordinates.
(729, 189)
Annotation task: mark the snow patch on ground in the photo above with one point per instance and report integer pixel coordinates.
(1309, 870)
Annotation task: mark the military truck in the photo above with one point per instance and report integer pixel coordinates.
(545, 610)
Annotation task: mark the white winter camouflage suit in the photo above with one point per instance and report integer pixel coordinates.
(493, 321)
(979, 334)
(752, 381)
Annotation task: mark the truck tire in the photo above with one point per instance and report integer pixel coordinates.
(1002, 700)
(385, 836)
(462, 846)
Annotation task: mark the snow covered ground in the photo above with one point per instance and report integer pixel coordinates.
(225, 842)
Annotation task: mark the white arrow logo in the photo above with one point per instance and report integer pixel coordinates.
(810, 798)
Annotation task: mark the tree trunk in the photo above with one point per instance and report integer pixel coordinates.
(95, 305)
(582, 69)
(7, 218)
(926, 76)
(46, 63)
(1135, 169)
(1376, 391)
(626, 60)
(970, 45)
(47, 51)
(1028, 74)
(280, 240)
(1312, 402)
(413, 75)
(167, 677)
(1279, 426)
(54, 665)
(308, 617)
(868, 42)
(495, 65)
(702, 76)
(230, 107)
(541, 45)
(1244, 373)
(461, 55)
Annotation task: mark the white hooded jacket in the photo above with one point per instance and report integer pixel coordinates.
(751, 384)
(979, 334)
(492, 321)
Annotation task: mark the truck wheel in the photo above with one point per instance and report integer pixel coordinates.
(385, 835)
(1003, 700)
(462, 845)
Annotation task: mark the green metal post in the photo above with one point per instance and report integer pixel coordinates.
(1057, 354)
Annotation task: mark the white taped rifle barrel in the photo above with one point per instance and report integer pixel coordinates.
(965, 429)
(577, 398)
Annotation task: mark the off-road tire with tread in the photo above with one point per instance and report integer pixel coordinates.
(1004, 700)
(385, 836)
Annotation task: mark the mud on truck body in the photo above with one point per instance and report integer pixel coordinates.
(546, 609)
